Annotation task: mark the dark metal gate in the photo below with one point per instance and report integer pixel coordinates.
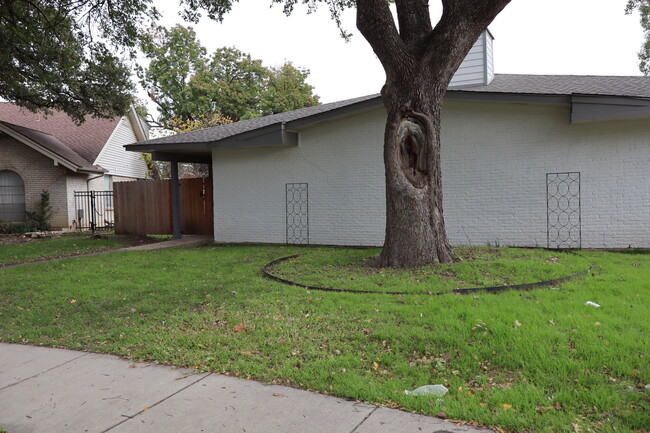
(563, 215)
(94, 210)
(297, 205)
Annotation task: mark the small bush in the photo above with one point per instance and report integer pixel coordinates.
(42, 218)
(9, 228)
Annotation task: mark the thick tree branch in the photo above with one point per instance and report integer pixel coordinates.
(414, 21)
(376, 24)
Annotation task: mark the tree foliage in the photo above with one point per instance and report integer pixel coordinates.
(60, 54)
(189, 85)
(643, 6)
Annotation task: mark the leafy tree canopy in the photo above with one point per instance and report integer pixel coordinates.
(643, 7)
(60, 54)
(188, 85)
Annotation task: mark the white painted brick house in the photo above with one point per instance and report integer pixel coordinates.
(52, 153)
(527, 160)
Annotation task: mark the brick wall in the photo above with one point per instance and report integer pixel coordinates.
(495, 158)
(39, 173)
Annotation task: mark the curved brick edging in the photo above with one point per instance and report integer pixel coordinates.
(266, 271)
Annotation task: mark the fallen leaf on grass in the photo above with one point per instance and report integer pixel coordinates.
(240, 327)
(506, 406)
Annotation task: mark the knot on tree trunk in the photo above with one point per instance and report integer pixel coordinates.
(412, 142)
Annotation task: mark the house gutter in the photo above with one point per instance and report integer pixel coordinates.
(92, 178)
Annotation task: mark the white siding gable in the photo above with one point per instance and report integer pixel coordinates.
(116, 159)
(477, 67)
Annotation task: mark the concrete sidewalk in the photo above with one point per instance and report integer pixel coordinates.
(54, 390)
(185, 241)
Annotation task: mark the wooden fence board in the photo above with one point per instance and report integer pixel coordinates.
(196, 206)
(145, 207)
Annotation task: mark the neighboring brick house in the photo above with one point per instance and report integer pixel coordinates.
(53, 153)
(527, 160)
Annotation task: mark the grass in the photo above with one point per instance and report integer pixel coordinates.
(539, 360)
(355, 269)
(64, 246)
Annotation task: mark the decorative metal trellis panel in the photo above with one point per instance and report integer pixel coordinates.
(563, 215)
(94, 210)
(297, 204)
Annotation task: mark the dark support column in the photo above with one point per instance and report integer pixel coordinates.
(176, 201)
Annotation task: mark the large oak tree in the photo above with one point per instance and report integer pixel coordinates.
(420, 61)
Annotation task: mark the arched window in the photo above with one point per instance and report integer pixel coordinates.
(12, 196)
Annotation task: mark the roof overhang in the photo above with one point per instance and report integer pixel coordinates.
(275, 135)
(58, 159)
(594, 108)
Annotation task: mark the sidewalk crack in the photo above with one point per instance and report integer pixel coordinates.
(364, 419)
(129, 417)
(42, 372)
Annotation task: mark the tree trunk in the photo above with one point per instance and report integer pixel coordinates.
(415, 227)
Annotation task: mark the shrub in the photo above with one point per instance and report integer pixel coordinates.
(42, 218)
(9, 228)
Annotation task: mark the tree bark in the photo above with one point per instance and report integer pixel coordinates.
(415, 226)
(419, 63)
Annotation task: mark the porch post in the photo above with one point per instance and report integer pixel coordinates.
(176, 201)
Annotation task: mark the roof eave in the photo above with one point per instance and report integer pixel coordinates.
(58, 159)
(275, 135)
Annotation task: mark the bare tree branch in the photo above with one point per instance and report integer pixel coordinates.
(376, 24)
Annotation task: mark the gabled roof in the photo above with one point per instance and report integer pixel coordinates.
(50, 146)
(85, 140)
(555, 88)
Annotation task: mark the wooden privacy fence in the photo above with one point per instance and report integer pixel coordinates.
(145, 207)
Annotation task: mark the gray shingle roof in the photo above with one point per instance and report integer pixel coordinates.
(502, 84)
(567, 85)
(217, 133)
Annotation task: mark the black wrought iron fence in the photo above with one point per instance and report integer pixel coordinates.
(94, 210)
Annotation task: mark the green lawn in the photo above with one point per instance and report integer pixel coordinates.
(64, 246)
(538, 360)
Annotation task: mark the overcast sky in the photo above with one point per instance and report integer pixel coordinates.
(578, 37)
